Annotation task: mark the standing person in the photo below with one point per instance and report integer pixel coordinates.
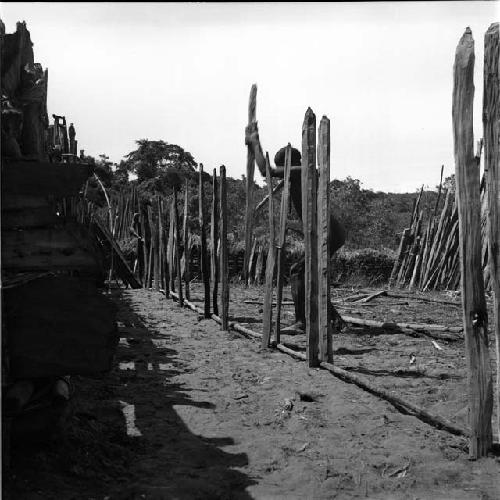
(337, 232)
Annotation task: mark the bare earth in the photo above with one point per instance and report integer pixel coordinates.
(222, 419)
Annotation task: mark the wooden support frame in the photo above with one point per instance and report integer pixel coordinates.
(473, 300)
(177, 248)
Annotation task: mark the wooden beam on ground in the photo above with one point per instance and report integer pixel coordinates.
(323, 211)
(214, 237)
(268, 290)
(249, 209)
(491, 136)
(281, 241)
(177, 249)
(309, 207)
(473, 300)
(205, 268)
(224, 262)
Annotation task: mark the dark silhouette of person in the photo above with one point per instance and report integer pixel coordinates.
(337, 232)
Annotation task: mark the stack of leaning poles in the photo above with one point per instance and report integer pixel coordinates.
(428, 254)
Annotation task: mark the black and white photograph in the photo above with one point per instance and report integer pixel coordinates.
(250, 250)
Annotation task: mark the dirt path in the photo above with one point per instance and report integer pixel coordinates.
(218, 418)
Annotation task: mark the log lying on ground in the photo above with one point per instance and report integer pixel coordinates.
(403, 406)
(435, 331)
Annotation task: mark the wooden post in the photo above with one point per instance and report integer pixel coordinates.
(185, 235)
(156, 257)
(491, 135)
(170, 250)
(205, 268)
(224, 267)
(281, 241)
(324, 321)
(214, 223)
(177, 250)
(309, 207)
(252, 103)
(160, 242)
(473, 300)
(268, 292)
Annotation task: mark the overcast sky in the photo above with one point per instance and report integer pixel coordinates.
(382, 73)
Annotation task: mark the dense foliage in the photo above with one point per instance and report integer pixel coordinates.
(373, 219)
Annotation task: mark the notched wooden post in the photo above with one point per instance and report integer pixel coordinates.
(324, 322)
(473, 300)
(309, 207)
(249, 209)
(491, 136)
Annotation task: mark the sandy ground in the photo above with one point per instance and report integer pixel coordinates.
(218, 418)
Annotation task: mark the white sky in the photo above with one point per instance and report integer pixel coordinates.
(382, 72)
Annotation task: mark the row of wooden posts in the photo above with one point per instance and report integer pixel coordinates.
(428, 255)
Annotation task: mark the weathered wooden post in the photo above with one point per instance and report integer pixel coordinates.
(224, 267)
(170, 250)
(185, 236)
(324, 323)
(214, 223)
(205, 268)
(309, 207)
(252, 103)
(473, 300)
(491, 136)
(268, 291)
(177, 250)
(281, 241)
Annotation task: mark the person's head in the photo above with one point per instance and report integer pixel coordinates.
(279, 158)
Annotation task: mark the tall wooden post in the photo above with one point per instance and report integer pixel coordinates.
(281, 241)
(224, 264)
(268, 291)
(170, 250)
(214, 236)
(177, 250)
(491, 136)
(473, 300)
(252, 104)
(324, 323)
(309, 207)
(205, 268)
(185, 235)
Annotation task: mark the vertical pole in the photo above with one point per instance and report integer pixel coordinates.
(268, 292)
(324, 323)
(177, 250)
(170, 250)
(491, 135)
(160, 242)
(252, 103)
(214, 223)
(281, 241)
(224, 266)
(185, 235)
(149, 280)
(205, 268)
(156, 257)
(309, 207)
(473, 300)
